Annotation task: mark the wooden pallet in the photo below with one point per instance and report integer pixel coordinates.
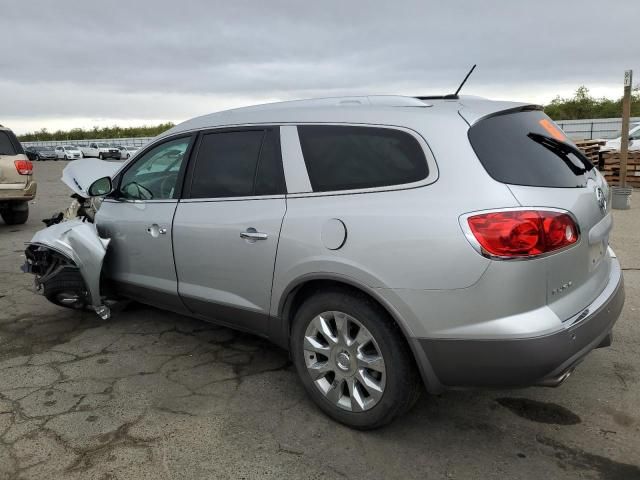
(611, 169)
(591, 149)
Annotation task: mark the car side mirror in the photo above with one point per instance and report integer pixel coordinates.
(101, 187)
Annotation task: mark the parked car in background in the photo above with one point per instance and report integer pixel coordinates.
(88, 151)
(40, 152)
(31, 153)
(616, 143)
(17, 186)
(68, 152)
(127, 152)
(106, 151)
(379, 239)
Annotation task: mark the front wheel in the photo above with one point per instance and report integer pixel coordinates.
(353, 360)
(100, 156)
(67, 289)
(66, 157)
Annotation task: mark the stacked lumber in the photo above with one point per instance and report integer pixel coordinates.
(611, 170)
(591, 148)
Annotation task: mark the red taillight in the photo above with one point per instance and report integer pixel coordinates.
(24, 167)
(523, 233)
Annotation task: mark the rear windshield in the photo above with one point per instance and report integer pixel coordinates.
(527, 148)
(9, 144)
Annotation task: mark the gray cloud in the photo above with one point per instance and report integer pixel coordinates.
(160, 59)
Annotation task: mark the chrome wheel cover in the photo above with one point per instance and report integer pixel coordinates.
(344, 361)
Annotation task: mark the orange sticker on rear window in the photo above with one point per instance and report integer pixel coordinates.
(552, 129)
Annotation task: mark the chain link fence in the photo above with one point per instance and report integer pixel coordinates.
(124, 142)
(594, 128)
(575, 129)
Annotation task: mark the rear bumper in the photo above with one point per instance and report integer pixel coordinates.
(24, 194)
(541, 360)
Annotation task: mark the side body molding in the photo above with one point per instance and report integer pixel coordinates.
(79, 242)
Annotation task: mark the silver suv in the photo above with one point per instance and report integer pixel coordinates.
(381, 240)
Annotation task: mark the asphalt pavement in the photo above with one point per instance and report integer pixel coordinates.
(155, 395)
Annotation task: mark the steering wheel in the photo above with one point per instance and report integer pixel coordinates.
(141, 192)
(166, 185)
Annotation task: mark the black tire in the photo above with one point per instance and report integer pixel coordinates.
(403, 384)
(66, 157)
(38, 158)
(67, 282)
(15, 216)
(100, 156)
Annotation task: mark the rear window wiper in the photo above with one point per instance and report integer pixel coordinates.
(563, 150)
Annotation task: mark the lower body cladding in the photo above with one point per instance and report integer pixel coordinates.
(545, 360)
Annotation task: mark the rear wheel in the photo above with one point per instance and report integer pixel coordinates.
(15, 213)
(353, 360)
(67, 289)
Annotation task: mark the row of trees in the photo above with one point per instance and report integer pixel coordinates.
(583, 105)
(96, 132)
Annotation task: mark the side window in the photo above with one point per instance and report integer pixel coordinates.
(6, 146)
(238, 164)
(348, 158)
(270, 175)
(154, 176)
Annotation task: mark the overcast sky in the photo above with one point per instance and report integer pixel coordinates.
(81, 63)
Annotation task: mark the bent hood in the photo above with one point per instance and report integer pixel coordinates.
(79, 175)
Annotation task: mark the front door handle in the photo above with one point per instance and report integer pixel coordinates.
(253, 235)
(155, 230)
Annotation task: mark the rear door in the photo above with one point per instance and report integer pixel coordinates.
(542, 167)
(227, 226)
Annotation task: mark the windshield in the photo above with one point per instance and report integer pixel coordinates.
(527, 148)
(103, 145)
(70, 147)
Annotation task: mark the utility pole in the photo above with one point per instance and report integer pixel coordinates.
(624, 138)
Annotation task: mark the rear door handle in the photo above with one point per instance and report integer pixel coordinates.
(252, 235)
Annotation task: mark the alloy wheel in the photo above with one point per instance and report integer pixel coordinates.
(344, 361)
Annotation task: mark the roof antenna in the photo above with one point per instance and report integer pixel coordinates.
(454, 96)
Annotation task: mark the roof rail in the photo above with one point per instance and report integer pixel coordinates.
(450, 96)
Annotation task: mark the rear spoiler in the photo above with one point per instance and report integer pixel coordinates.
(474, 112)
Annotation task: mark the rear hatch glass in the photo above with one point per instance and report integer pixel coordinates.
(527, 148)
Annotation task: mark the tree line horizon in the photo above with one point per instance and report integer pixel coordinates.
(582, 105)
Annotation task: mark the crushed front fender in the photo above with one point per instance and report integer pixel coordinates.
(79, 241)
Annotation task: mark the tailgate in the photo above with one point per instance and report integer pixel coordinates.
(524, 149)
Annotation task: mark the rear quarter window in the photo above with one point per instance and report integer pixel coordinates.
(9, 144)
(351, 157)
(527, 148)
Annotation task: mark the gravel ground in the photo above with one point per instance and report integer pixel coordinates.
(150, 394)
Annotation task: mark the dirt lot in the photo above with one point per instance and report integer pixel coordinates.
(151, 394)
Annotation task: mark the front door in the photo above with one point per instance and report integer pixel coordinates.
(227, 226)
(138, 218)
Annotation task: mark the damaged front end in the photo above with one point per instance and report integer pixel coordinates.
(66, 259)
(67, 256)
